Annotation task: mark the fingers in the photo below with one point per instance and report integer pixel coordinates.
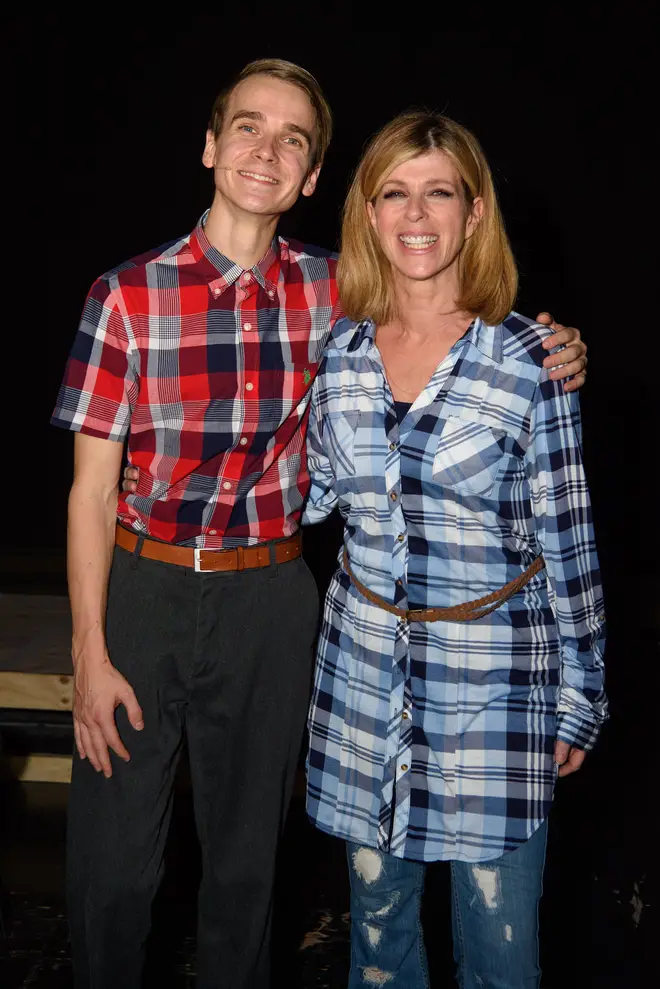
(133, 709)
(561, 752)
(573, 763)
(88, 746)
(568, 758)
(76, 735)
(100, 748)
(575, 382)
(111, 738)
(131, 474)
(544, 317)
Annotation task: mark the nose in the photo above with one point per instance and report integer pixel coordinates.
(415, 208)
(265, 149)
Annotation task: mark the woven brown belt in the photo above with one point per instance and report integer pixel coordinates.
(459, 613)
(203, 560)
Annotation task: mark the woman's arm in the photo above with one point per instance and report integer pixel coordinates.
(321, 499)
(562, 509)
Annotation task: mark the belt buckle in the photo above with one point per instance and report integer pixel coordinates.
(198, 562)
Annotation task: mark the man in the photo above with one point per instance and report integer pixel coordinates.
(196, 612)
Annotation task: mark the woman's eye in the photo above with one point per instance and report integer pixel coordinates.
(392, 193)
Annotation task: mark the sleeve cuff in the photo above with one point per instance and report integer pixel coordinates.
(577, 731)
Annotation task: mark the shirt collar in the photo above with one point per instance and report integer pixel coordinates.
(222, 272)
(487, 339)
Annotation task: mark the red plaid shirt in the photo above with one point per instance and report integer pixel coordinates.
(207, 368)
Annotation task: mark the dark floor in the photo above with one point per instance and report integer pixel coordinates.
(312, 921)
(599, 927)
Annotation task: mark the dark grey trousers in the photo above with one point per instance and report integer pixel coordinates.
(226, 658)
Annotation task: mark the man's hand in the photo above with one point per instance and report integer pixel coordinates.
(568, 758)
(129, 483)
(98, 690)
(573, 357)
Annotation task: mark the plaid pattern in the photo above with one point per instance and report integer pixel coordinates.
(207, 368)
(435, 740)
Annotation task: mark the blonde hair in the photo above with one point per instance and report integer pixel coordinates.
(287, 72)
(488, 277)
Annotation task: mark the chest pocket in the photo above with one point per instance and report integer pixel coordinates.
(468, 456)
(339, 441)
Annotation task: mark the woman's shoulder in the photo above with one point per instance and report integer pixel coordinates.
(347, 336)
(522, 339)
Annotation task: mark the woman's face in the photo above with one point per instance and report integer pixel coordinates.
(421, 217)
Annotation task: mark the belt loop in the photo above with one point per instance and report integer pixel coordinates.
(136, 552)
(274, 567)
(240, 559)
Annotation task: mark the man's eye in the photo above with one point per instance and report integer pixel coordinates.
(247, 127)
(294, 140)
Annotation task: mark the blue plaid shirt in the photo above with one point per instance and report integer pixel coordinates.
(435, 740)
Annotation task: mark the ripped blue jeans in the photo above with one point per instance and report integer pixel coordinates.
(494, 919)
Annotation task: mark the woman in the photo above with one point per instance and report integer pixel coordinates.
(459, 661)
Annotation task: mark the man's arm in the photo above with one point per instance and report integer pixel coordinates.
(98, 687)
(571, 362)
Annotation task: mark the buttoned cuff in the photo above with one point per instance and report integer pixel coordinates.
(577, 731)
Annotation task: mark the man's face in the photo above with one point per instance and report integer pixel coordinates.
(263, 154)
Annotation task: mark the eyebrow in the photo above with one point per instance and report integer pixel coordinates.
(428, 182)
(257, 115)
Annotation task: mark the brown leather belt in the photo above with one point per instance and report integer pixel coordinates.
(211, 560)
(458, 613)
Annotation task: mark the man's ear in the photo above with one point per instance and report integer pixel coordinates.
(311, 180)
(208, 156)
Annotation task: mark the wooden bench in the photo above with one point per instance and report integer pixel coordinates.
(35, 674)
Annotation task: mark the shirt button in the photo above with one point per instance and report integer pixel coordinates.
(405, 715)
(213, 532)
(392, 446)
(404, 767)
(249, 386)
(247, 326)
(243, 441)
(401, 537)
(247, 277)
(399, 583)
(393, 496)
(226, 485)
(216, 291)
(271, 293)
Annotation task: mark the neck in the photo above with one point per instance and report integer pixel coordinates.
(242, 237)
(428, 307)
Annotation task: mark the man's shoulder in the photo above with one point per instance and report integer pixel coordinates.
(134, 270)
(313, 260)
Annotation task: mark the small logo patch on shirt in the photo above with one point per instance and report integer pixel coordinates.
(307, 376)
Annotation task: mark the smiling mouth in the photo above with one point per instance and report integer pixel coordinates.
(258, 177)
(418, 242)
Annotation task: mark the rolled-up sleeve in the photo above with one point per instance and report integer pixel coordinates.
(321, 499)
(562, 510)
(100, 381)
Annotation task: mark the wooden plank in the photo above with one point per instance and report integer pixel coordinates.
(37, 768)
(35, 633)
(36, 691)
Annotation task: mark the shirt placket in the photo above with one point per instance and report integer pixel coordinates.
(395, 796)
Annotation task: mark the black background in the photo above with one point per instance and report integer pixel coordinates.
(106, 122)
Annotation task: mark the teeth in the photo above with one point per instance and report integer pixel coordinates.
(261, 178)
(418, 241)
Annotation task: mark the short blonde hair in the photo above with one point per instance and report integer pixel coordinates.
(487, 271)
(287, 72)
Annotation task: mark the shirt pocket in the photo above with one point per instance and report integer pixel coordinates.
(469, 456)
(338, 431)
